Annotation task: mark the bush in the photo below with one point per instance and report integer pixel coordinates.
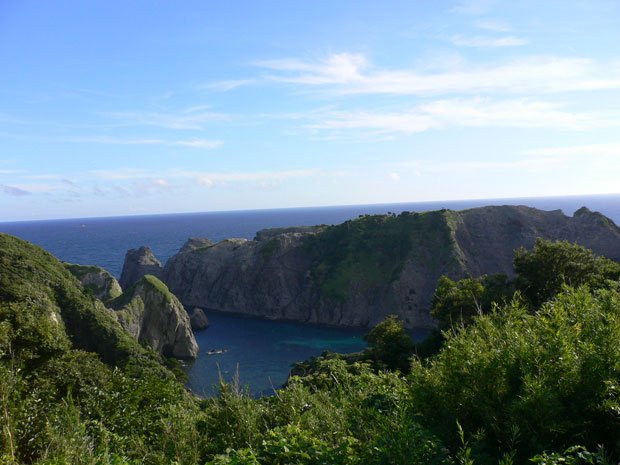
(550, 379)
(550, 265)
(390, 345)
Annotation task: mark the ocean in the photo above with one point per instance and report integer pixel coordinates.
(261, 351)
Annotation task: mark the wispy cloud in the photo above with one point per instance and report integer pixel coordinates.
(166, 178)
(10, 119)
(194, 120)
(583, 151)
(120, 174)
(200, 143)
(10, 172)
(13, 191)
(347, 73)
(424, 166)
(473, 7)
(337, 68)
(115, 140)
(256, 177)
(150, 186)
(194, 143)
(485, 41)
(475, 112)
(493, 25)
(227, 85)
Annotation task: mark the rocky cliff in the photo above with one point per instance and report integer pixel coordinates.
(358, 272)
(96, 280)
(156, 318)
(139, 262)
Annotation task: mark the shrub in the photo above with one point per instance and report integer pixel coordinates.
(549, 378)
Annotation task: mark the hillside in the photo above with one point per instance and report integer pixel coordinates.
(358, 272)
(73, 382)
(35, 279)
(520, 384)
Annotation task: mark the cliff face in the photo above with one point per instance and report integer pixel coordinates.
(139, 262)
(155, 317)
(356, 273)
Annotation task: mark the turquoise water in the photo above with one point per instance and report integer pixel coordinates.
(263, 350)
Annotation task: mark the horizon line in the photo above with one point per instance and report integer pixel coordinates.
(248, 210)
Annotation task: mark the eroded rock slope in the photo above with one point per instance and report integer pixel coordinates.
(356, 273)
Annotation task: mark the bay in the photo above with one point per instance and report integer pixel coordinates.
(263, 350)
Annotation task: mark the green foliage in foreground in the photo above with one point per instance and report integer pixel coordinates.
(527, 382)
(540, 275)
(520, 384)
(550, 265)
(389, 344)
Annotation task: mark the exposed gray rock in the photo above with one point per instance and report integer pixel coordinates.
(98, 281)
(195, 243)
(286, 273)
(138, 263)
(198, 319)
(155, 317)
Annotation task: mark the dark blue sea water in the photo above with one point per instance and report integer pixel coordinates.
(263, 350)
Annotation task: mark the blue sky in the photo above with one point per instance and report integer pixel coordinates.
(133, 107)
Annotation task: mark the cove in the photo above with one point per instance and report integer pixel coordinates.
(263, 350)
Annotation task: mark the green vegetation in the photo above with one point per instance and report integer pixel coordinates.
(551, 265)
(515, 383)
(541, 274)
(390, 345)
(458, 302)
(159, 286)
(96, 281)
(369, 252)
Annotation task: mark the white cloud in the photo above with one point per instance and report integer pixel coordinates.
(256, 177)
(346, 73)
(120, 174)
(200, 143)
(473, 7)
(582, 151)
(227, 85)
(147, 180)
(182, 120)
(14, 191)
(337, 68)
(194, 143)
(492, 25)
(422, 167)
(115, 140)
(484, 41)
(150, 186)
(476, 112)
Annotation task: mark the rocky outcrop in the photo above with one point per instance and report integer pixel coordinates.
(198, 319)
(194, 243)
(357, 273)
(99, 282)
(138, 263)
(155, 317)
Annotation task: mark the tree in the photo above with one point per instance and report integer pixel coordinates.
(389, 344)
(549, 265)
(458, 302)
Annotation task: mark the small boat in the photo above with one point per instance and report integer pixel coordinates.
(216, 351)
